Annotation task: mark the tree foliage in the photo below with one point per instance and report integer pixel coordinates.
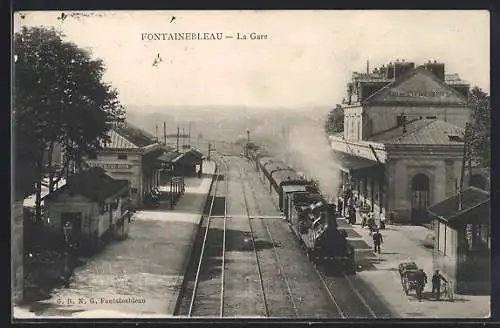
(335, 120)
(59, 97)
(479, 130)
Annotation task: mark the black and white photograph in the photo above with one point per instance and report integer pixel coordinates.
(254, 164)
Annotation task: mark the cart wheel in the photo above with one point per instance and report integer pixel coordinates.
(405, 286)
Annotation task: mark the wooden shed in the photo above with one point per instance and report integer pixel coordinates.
(93, 203)
(462, 245)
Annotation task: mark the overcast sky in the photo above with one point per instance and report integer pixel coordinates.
(305, 61)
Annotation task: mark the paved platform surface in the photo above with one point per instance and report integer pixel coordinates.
(140, 276)
(380, 272)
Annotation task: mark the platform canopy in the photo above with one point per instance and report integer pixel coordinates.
(351, 163)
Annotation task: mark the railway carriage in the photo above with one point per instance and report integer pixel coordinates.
(262, 164)
(282, 176)
(311, 218)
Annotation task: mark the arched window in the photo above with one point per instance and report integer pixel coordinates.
(420, 200)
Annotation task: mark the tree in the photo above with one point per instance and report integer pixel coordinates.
(59, 97)
(335, 120)
(479, 128)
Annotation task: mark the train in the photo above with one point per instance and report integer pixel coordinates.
(310, 216)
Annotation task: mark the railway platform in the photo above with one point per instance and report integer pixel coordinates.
(142, 275)
(380, 272)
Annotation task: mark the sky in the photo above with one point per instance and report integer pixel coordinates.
(305, 60)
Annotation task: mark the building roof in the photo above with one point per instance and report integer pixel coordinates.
(472, 199)
(453, 79)
(170, 157)
(93, 183)
(383, 94)
(135, 135)
(370, 77)
(119, 142)
(422, 131)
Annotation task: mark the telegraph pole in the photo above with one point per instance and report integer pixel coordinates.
(156, 132)
(165, 133)
(183, 138)
(189, 135)
(209, 149)
(177, 138)
(462, 172)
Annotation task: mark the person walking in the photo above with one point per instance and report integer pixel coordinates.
(377, 241)
(421, 278)
(382, 222)
(352, 214)
(436, 284)
(340, 207)
(363, 219)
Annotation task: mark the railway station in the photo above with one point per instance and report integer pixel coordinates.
(282, 205)
(131, 155)
(402, 145)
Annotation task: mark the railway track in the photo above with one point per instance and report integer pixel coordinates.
(251, 265)
(203, 295)
(280, 301)
(342, 293)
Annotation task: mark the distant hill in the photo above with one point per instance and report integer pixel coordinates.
(224, 123)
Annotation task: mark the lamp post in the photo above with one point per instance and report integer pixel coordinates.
(67, 234)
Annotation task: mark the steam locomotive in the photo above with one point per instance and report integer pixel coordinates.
(311, 218)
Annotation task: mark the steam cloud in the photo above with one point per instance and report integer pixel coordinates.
(305, 148)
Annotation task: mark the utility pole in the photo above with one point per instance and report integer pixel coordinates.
(462, 172)
(209, 149)
(189, 135)
(165, 133)
(177, 138)
(183, 139)
(156, 132)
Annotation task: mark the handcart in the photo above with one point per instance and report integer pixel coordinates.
(408, 273)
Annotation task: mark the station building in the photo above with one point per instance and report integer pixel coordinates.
(402, 145)
(130, 155)
(462, 244)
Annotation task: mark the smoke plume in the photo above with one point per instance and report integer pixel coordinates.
(306, 149)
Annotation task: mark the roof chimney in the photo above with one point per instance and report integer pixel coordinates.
(368, 67)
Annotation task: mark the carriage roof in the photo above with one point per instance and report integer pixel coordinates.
(285, 176)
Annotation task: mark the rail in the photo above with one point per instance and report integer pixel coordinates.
(224, 241)
(264, 298)
(351, 286)
(278, 260)
(198, 270)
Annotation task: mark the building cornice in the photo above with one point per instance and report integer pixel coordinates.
(409, 103)
(402, 151)
(105, 151)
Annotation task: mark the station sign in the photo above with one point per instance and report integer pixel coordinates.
(112, 166)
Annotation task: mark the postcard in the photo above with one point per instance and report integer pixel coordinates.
(303, 165)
